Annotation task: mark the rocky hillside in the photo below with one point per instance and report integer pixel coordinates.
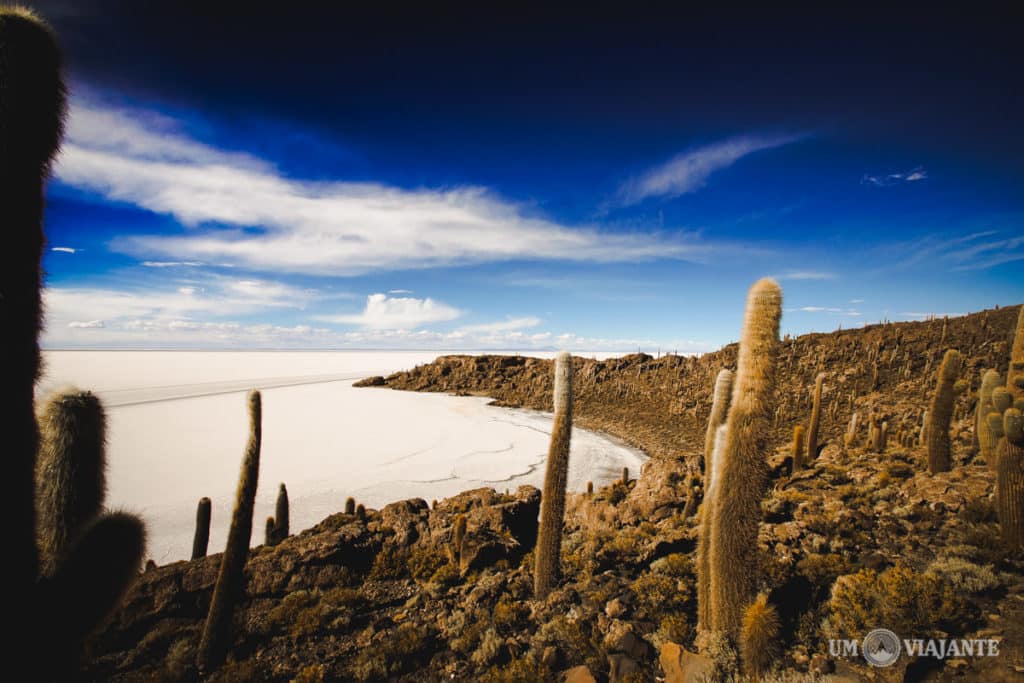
(856, 540)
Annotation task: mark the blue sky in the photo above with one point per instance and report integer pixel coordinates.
(460, 180)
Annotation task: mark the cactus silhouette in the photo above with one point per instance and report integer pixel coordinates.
(1010, 480)
(1015, 375)
(54, 615)
(281, 521)
(350, 506)
(71, 481)
(216, 639)
(360, 512)
(201, 540)
(986, 441)
(812, 429)
(625, 475)
(940, 412)
(549, 538)
(270, 532)
(739, 488)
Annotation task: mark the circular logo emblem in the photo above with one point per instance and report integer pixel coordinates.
(881, 647)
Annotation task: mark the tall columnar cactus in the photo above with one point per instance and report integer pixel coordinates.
(940, 412)
(71, 471)
(712, 448)
(740, 486)
(216, 639)
(1010, 480)
(798, 447)
(281, 515)
(201, 540)
(719, 410)
(552, 511)
(458, 538)
(51, 617)
(986, 442)
(32, 106)
(812, 429)
(1015, 375)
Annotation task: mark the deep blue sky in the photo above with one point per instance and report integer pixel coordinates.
(595, 178)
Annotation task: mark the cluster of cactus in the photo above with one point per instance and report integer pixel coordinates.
(277, 526)
(552, 511)
(739, 472)
(60, 592)
(216, 637)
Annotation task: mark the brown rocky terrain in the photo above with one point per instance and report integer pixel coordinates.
(856, 540)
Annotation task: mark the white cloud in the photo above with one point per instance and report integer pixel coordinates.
(86, 325)
(396, 313)
(891, 179)
(326, 228)
(66, 250)
(805, 275)
(856, 301)
(509, 325)
(689, 171)
(827, 309)
(171, 264)
(400, 291)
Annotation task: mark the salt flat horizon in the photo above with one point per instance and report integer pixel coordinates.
(177, 426)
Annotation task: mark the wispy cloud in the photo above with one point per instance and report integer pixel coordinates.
(974, 251)
(172, 264)
(689, 171)
(805, 275)
(508, 325)
(65, 250)
(834, 310)
(396, 313)
(86, 325)
(891, 179)
(243, 211)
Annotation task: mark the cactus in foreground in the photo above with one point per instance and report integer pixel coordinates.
(216, 639)
(812, 429)
(281, 515)
(32, 107)
(712, 472)
(798, 448)
(759, 637)
(50, 617)
(549, 537)
(350, 506)
(201, 540)
(1010, 480)
(1015, 375)
(740, 486)
(71, 479)
(719, 410)
(986, 441)
(940, 412)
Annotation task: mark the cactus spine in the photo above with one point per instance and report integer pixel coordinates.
(71, 480)
(986, 441)
(216, 639)
(798, 448)
(1015, 375)
(1010, 480)
(201, 541)
(940, 412)
(552, 511)
(105, 556)
(736, 505)
(812, 429)
(712, 445)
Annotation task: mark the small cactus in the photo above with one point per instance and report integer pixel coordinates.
(940, 412)
(590, 488)
(798, 448)
(812, 429)
(1010, 480)
(759, 638)
(201, 540)
(360, 512)
(350, 506)
(458, 538)
(549, 537)
(71, 481)
(270, 532)
(850, 437)
(216, 638)
(625, 475)
(281, 514)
